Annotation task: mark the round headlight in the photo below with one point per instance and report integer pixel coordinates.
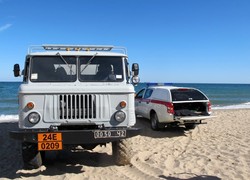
(120, 116)
(135, 80)
(34, 117)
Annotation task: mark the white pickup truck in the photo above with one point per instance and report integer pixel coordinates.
(172, 106)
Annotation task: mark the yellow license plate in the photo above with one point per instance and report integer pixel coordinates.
(49, 141)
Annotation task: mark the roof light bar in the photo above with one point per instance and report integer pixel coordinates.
(159, 84)
(77, 47)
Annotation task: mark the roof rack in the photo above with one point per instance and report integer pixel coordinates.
(77, 47)
(55, 47)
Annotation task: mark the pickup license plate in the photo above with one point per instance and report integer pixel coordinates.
(49, 141)
(98, 134)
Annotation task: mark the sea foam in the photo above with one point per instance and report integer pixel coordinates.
(236, 106)
(8, 118)
(14, 118)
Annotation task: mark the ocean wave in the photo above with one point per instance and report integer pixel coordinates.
(14, 118)
(236, 106)
(8, 118)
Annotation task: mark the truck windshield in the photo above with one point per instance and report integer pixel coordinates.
(53, 69)
(186, 95)
(100, 69)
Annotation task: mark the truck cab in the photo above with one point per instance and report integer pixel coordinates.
(75, 95)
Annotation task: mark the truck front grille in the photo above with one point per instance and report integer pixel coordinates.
(77, 106)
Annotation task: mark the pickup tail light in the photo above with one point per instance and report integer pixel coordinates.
(169, 105)
(170, 108)
(209, 109)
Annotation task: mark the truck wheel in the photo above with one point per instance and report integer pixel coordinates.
(31, 156)
(190, 126)
(154, 122)
(121, 152)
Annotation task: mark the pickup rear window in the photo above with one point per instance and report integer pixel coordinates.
(187, 95)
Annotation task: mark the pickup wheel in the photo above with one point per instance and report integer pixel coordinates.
(155, 125)
(31, 156)
(121, 152)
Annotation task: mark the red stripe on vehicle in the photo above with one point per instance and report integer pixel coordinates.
(169, 105)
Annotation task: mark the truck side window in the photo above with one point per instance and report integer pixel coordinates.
(26, 70)
(127, 70)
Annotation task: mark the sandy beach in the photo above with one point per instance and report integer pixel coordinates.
(219, 149)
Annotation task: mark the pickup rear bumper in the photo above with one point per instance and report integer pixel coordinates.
(92, 136)
(192, 119)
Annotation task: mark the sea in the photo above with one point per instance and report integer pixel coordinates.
(222, 96)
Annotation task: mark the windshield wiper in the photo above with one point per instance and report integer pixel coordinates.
(69, 66)
(89, 61)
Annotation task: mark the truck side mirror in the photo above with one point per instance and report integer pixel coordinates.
(16, 70)
(135, 69)
(135, 73)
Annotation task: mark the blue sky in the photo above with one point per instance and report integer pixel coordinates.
(185, 41)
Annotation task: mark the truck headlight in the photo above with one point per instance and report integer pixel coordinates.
(120, 116)
(34, 117)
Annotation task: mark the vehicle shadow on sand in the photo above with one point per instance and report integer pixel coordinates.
(167, 132)
(196, 177)
(11, 165)
(69, 162)
(10, 152)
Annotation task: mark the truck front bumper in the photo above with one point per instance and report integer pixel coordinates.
(94, 136)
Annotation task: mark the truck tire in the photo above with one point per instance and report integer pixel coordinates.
(122, 152)
(31, 156)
